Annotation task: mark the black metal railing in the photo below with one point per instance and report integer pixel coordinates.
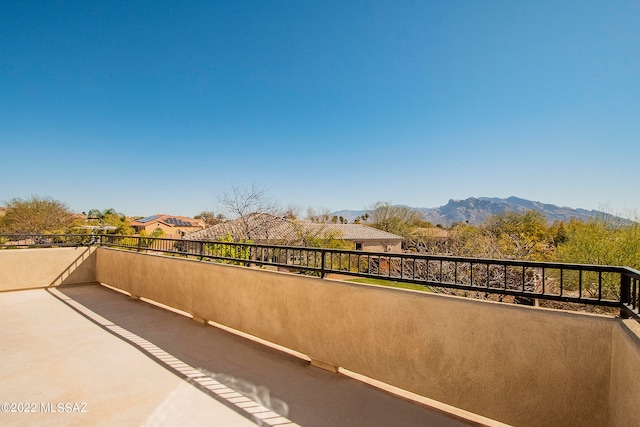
(595, 285)
(14, 241)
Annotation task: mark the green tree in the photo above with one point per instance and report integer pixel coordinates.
(320, 216)
(508, 235)
(603, 240)
(148, 240)
(110, 217)
(471, 241)
(94, 214)
(36, 215)
(227, 247)
(210, 218)
(521, 235)
(361, 218)
(400, 220)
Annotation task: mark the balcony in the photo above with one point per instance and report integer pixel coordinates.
(115, 329)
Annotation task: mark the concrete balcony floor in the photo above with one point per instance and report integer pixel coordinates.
(128, 362)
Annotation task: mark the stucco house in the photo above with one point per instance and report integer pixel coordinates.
(269, 229)
(173, 226)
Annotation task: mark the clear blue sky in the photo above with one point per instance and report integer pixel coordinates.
(158, 107)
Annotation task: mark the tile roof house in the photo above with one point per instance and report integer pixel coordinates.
(270, 229)
(173, 226)
(259, 228)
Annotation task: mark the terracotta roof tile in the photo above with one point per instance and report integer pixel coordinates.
(266, 227)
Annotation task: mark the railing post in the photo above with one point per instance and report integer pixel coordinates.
(625, 294)
(139, 244)
(201, 251)
(323, 263)
(253, 255)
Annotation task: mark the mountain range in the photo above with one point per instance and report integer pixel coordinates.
(475, 210)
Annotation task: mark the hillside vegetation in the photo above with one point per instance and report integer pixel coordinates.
(524, 235)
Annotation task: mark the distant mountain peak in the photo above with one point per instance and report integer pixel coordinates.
(475, 210)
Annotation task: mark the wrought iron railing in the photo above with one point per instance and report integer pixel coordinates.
(594, 285)
(13, 241)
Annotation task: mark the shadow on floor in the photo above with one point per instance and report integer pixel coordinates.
(315, 398)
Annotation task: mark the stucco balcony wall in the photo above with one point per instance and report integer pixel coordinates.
(624, 389)
(519, 365)
(38, 268)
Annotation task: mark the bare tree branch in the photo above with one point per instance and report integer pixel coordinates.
(242, 202)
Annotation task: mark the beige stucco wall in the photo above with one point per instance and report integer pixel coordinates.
(520, 365)
(37, 268)
(380, 246)
(624, 397)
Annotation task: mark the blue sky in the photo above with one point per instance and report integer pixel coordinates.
(158, 107)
